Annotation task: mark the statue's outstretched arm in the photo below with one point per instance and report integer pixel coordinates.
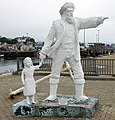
(91, 22)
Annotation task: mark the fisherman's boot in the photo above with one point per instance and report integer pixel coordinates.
(79, 88)
(33, 99)
(28, 100)
(53, 92)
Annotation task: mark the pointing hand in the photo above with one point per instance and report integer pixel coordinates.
(105, 18)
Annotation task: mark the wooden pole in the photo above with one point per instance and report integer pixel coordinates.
(68, 68)
(18, 91)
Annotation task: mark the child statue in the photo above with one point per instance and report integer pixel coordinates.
(28, 80)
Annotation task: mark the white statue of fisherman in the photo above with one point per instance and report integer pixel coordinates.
(28, 80)
(62, 44)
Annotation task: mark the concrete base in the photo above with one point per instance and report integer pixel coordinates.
(63, 106)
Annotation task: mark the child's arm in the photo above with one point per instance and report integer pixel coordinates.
(22, 77)
(38, 66)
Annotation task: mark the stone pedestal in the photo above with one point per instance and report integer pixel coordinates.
(63, 106)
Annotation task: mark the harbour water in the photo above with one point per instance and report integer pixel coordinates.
(7, 66)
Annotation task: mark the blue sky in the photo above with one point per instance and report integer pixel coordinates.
(19, 17)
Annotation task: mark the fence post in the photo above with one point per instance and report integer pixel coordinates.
(113, 67)
(17, 63)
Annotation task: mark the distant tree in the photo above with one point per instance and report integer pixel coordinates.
(29, 39)
(12, 41)
(4, 40)
(7, 40)
(15, 40)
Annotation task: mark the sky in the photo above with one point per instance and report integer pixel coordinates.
(33, 18)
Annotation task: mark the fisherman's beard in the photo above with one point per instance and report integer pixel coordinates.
(69, 19)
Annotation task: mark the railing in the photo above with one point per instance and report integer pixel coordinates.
(97, 66)
(46, 66)
(91, 66)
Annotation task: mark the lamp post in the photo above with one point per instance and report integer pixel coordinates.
(98, 35)
(84, 37)
(96, 38)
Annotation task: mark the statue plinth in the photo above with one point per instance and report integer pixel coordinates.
(57, 108)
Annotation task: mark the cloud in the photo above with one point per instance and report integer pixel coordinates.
(35, 17)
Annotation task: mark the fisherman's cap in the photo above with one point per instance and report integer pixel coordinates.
(65, 6)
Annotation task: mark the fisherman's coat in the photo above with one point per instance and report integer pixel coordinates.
(56, 32)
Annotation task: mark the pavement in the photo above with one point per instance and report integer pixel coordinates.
(95, 86)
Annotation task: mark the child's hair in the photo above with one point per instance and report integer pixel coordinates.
(26, 60)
